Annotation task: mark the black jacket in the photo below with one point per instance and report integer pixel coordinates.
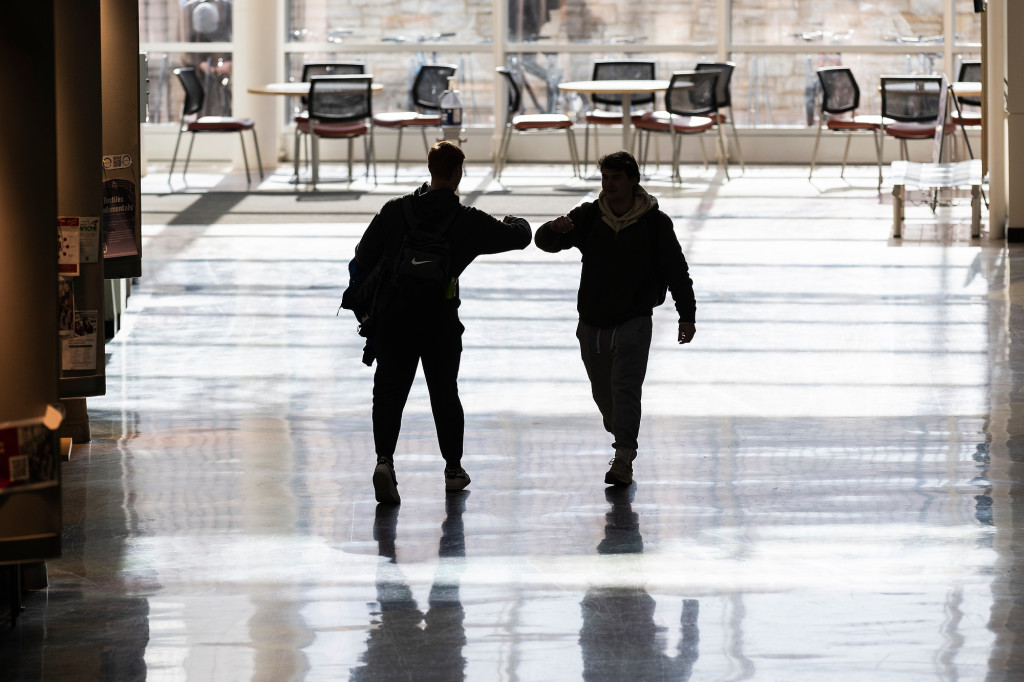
(623, 271)
(472, 233)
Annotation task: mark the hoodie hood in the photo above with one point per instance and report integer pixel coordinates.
(431, 205)
(642, 203)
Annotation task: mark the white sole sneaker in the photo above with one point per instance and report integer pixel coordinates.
(455, 480)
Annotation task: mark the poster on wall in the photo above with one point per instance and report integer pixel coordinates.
(119, 219)
(89, 239)
(66, 306)
(68, 242)
(78, 351)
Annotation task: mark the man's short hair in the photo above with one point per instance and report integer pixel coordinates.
(622, 162)
(444, 158)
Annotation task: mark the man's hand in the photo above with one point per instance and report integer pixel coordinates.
(561, 225)
(687, 330)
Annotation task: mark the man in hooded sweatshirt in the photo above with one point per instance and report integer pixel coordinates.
(630, 254)
(412, 330)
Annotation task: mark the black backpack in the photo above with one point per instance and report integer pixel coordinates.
(422, 268)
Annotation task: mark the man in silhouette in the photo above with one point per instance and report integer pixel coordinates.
(630, 255)
(410, 330)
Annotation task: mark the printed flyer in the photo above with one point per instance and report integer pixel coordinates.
(89, 245)
(68, 242)
(79, 349)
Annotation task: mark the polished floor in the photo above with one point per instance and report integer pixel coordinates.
(827, 483)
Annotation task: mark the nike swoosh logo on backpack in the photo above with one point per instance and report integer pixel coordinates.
(420, 262)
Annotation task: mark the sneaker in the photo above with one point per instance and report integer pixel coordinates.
(455, 479)
(621, 472)
(385, 483)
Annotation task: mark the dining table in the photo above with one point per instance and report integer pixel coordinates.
(625, 88)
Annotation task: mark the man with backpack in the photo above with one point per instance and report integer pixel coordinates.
(423, 242)
(630, 257)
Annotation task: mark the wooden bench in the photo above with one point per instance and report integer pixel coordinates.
(935, 176)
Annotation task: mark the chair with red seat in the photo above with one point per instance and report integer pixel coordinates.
(309, 70)
(430, 83)
(607, 110)
(521, 123)
(724, 97)
(968, 111)
(193, 122)
(340, 108)
(690, 103)
(839, 103)
(970, 71)
(915, 106)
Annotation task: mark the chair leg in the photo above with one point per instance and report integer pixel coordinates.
(188, 157)
(904, 152)
(245, 158)
(586, 146)
(814, 154)
(573, 153)
(721, 150)
(643, 145)
(350, 160)
(259, 161)
(295, 156)
(879, 138)
(314, 148)
(372, 157)
(736, 139)
(846, 153)
(398, 150)
(499, 161)
(174, 157)
(677, 141)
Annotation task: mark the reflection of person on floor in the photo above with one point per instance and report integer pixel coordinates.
(619, 639)
(630, 254)
(398, 646)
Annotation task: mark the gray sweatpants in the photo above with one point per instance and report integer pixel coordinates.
(616, 362)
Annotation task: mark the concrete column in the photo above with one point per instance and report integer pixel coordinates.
(257, 35)
(1013, 147)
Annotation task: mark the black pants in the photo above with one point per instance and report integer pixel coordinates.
(616, 362)
(400, 348)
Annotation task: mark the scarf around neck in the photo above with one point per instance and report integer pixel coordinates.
(642, 203)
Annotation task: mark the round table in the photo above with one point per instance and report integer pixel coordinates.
(292, 89)
(626, 88)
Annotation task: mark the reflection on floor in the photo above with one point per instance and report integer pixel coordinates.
(826, 487)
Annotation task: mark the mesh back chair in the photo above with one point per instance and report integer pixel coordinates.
(607, 109)
(430, 83)
(970, 70)
(319, 69)
(724, 96)
(340, 108)
(690, 103)
(192, 122)
(839, 103)
(914, 105)
(515, 122)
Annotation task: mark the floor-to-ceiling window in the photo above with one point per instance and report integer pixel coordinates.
(776, 44)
